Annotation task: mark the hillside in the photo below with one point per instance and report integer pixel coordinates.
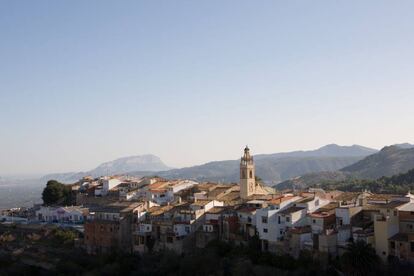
(274, 168)
(389, 161)
(331, 150)
(313, 180)
(396, 184)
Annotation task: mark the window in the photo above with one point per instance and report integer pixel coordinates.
(264, 219)
(392, 245)
(249, 219)
(287, 219)
(281, 232)
(314, 221)
(412, 246)
(410, 226)
(278, 219)
(251, 174)
(264, 230)
(395, 213)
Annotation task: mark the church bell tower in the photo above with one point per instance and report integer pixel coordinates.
(247, 179)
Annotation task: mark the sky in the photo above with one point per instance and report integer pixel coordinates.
(83, 82)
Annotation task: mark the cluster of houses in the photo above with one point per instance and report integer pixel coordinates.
(145, 214)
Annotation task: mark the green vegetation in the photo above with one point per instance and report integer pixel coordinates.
(389, 161)
(64, 237)
(399, 184)
(360, 259)
(56, 193)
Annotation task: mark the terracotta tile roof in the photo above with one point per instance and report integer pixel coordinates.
(159, 210)
(280, 199)
(390, 205)
(201, 202)
(158, 185)
(306, 199)
(347, 196)
(231, 196)
(157, 191)
(325, 211)
(291, 210)
(216, 210)
(116, 207)
(382, 196)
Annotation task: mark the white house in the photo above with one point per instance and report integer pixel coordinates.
(311, 204)
(70, 214)
(266, 218)
(108, 184)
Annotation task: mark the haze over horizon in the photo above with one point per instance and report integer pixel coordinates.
(82, 83)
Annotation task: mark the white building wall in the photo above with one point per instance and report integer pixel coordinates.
(344, 215)
(272, 226)
(108, 184)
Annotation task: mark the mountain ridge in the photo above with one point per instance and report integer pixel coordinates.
(272, 168)
(390, 160)
(123, 165)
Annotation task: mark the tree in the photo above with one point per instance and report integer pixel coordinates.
(258, 178)
(56, 193)
(360, 259)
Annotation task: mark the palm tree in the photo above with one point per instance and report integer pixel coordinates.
(360, 259)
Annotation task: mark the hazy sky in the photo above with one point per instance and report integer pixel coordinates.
(82, 82)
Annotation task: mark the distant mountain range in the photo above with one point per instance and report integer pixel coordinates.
(148, 163)
(301, 168)
(390, 161)
(273, 168)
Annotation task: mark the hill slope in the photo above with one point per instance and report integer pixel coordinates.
(396, 184)
(389, 161)
(274, 168)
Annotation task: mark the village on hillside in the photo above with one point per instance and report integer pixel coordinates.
(140, 215)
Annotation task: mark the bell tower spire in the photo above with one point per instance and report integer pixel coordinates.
(247, 175)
